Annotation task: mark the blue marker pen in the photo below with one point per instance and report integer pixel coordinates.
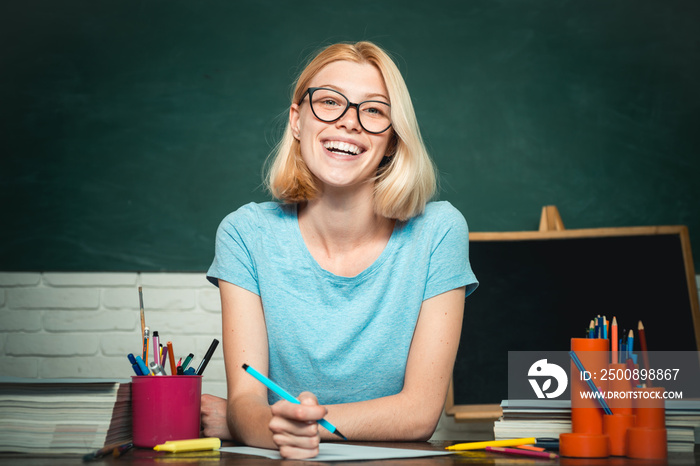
(285, 394)
(134, 364)
(142, 365)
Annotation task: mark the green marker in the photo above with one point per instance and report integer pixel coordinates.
(188, 359)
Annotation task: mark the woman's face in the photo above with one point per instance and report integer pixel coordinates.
(341, 153)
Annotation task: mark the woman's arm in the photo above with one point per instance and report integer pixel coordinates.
(413, 413)
(250, 418)
(244, 340)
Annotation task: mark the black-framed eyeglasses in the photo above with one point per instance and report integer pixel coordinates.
(329, 105)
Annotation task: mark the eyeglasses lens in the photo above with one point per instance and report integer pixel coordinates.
(329, 105)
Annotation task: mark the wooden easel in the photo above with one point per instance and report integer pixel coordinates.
(552, 227)
(550, 220)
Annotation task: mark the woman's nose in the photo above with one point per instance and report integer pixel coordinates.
(351, 119)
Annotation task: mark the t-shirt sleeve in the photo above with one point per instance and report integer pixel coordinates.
(449, 260)
(233, 258)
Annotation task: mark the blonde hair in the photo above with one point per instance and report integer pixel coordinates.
(406, 178)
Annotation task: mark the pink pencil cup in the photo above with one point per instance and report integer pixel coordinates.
(165, 408)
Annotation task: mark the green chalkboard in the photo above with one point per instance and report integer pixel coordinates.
(538, 291)
(130, 128)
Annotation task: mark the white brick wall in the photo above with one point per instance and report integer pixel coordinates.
(84, 324)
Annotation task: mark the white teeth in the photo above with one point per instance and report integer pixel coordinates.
(342, 146)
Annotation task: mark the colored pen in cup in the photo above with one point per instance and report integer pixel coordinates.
(287, 396)
(187, 361)
(171, 356)
(207, 357)
(146, 334)
(142, 366)
(156, 369)
(163, 356)
(134, 364)
(156, 347)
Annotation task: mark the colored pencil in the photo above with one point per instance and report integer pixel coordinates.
(601, 401)
(515, 451)
(642, 334)
(630, 344)
(605, 327)
(613, 338)
(531, 448)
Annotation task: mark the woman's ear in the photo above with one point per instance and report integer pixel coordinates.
(392, 146)
(294, 120)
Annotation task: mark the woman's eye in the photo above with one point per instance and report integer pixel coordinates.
(376, 110)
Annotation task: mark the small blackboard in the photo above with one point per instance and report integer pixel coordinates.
(539, 289)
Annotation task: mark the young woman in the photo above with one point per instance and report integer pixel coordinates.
(349, 293)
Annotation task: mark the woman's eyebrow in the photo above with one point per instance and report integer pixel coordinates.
(370, 96)
(374, 96)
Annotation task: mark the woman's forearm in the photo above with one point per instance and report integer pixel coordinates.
(248, 421)
(400, 417)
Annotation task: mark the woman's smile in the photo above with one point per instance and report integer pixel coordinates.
(342, 148)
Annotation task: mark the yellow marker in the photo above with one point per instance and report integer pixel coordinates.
(493, 443)
(196, 444)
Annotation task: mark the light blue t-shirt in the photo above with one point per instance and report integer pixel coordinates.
(345, 339)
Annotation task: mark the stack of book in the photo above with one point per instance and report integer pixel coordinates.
(682, 419)
(549, 418)
(63, 415)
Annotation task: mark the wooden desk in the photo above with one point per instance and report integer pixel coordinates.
(143, 457)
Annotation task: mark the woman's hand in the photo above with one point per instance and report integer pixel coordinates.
(295, 428)
(213, 412)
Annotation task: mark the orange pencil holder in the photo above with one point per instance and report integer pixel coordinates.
(616, 425)
(587, 439)
(647, 439)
